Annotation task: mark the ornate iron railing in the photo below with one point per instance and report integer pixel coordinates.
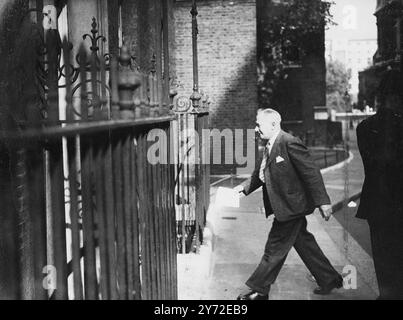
(87, 216)
(192, 172)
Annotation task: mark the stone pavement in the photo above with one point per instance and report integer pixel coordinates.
(239, 236)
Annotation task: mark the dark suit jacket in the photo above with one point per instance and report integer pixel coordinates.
(293, 187)
(380, 141)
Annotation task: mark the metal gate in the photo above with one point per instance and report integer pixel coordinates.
(84, 213)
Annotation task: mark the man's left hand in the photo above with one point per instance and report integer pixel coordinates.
(326, 211)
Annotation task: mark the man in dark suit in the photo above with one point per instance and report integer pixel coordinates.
(292, 188)
(380, 141)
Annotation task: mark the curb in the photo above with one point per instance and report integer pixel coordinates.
(340, 164)
(340, 204)
(209, 235)
(200, 263)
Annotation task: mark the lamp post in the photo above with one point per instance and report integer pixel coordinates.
(195, 97)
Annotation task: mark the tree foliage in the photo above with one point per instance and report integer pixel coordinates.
(288, 34)
(337, 86)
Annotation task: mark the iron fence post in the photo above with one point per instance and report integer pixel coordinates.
(128, 81)
(195, 97)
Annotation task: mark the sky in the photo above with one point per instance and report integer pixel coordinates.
(355, 20)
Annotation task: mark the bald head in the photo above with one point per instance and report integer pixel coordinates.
(271, 113)
(268, 123)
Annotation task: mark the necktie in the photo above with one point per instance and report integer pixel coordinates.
(264, 161)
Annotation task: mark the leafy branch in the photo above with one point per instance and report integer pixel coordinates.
(288, 34)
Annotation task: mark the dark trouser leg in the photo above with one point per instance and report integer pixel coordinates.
(313, 257)
(381, 254)
(281, 238)
(387, 252)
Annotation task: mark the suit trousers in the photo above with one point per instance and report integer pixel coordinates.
(282, 237)
(387, 252)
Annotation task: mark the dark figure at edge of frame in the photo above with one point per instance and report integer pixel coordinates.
(380, 141)
(292, 188)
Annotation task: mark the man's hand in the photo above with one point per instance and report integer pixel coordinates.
(240, 189)
(326, 211)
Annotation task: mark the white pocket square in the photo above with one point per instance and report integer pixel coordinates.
(279, 159)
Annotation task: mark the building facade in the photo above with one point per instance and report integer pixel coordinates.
(355, 54)
(227, 64)
(389, 15)
(353, 39)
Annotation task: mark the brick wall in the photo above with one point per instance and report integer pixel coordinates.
(227, 60)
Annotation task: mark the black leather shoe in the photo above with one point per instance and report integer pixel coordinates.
(336, 284)
(253, 295)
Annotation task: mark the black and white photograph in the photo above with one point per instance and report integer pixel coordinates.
(201, 154)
